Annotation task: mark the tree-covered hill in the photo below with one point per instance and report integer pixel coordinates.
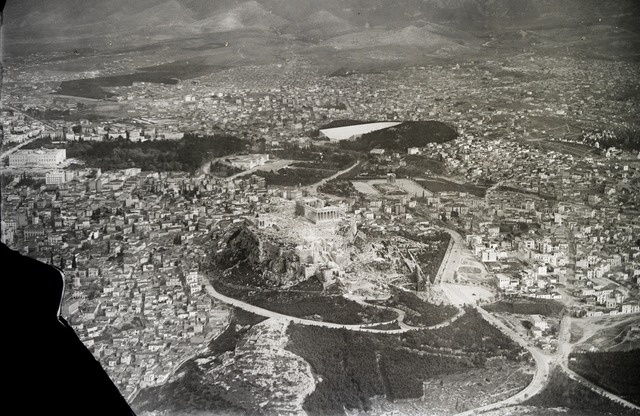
(403, 136)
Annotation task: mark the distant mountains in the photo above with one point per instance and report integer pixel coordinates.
(354, 35)
(313, 18)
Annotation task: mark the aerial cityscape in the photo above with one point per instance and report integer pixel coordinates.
(335, 207)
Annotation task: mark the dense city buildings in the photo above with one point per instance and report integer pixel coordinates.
(464, 221)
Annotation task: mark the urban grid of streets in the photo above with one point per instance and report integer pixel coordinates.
(510, 162)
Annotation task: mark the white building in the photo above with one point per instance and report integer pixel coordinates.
(539, 322)
(56, 177)
(503, 281)
(246, 162)
(41, 157)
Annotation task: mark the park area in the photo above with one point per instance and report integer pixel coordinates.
(437, 185)
(379, 187)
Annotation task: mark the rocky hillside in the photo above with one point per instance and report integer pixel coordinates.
(257, 260)
(260, 376)
(310, 17)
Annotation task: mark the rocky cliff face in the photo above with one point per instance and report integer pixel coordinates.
(261, 376)
(274, 262)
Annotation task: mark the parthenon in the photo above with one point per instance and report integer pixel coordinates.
(317, 215)
(316, 212)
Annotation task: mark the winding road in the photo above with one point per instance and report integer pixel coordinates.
(360, 328)
(313, 189)
(543, 362)
(562, 359)
(540, 378)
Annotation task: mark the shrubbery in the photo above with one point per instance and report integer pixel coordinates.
(403, 136)
(294, 176)
(561, 391)
(545, 307)
(356, 366)
(618, 372)
(419, 312)
(187, 154)
(336, 309)
(339, 187)
(406, 370)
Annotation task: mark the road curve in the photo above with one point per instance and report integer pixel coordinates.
(360, 328)
(564, 350)
(540, 378)
(577, 377)
(313, 189)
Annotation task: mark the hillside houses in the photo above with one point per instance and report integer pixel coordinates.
(128, 268)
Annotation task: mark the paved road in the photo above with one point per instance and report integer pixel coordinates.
(459, 297)
(544, 362)
(13, 149)
(313, 189)
(562, 359)
(540, 378)
(271, 314)
(453, 258)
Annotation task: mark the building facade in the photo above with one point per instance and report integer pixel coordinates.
(40, 157)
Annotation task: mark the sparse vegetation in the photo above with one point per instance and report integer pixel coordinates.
(618, 372)
(404, 371)
(561, 391)
(623, 138)
(357, 366)
(309, 305)
(343, 123)
(169, 73)
(191, 392)
(187, 394)
(503, 188)
(443, 185)
(420, 165)
(313, 165)
(223, 170)
(522, 306)
(418, 311)
(317, 157)
(312, 284)
(240, 323)
(386, 327)
(432, 253)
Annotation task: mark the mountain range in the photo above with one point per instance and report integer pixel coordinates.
(360, 34)
(314, 18)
